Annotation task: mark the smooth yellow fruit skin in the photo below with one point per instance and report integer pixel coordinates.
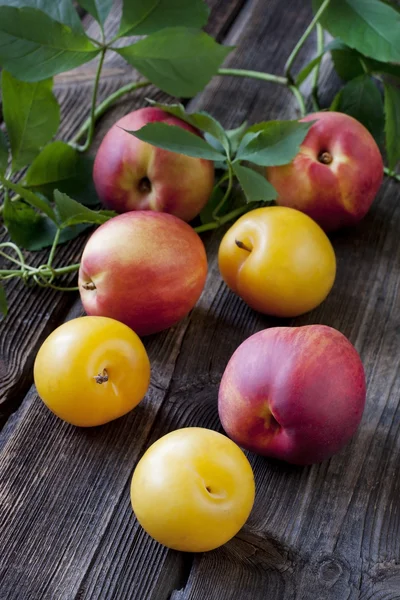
(291, 267)
(74, 354)
(193, 490)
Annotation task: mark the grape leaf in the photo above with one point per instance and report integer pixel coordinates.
(361, 99)
(99, 9)
(272, 143)
(255, 186)
(176, 139)
(32, 117)
(143, 17)
(34, 47)
(370, 26)
(392, 124)
(62, 11)
(177, 60)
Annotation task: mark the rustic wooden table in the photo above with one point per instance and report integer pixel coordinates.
(330, 531)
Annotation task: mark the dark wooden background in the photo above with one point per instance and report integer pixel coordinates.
(330, 531)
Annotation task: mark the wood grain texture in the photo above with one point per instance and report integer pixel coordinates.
(327, 532)
(35, 312)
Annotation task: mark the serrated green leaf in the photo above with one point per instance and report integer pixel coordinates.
(34, 231)
(176, 139)
(32, 199)
(3, 302)
(143, 17)
(71, 212)
(392, 124)
(272, 143)
(361, 99)
(235, 136)
(3, 153)
(99, 9)
(177, 60)
(34, 47)
(370, 26)
(59, 166)
(62, 11)
(32, 117)
(255, 186)
(200, 120)
(349, 63)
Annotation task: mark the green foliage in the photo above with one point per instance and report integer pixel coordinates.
(361, 99)
(62, 11)
(370, 26)
(273, 143)
(34, 47)
(99, 9)
(392, 124)
(177, 60)
(3, 153)
(255, 186)
(143, 17)
(32, 117)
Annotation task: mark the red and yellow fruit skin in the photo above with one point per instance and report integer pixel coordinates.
(295, 394)
(338, 194)
(180, 185)
(148, 269)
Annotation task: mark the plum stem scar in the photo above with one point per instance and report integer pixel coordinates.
(89, 286)
(101, 377)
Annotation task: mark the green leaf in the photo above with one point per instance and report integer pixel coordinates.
(176, 139)
(235, 136)
(34, 47)
(392, 124)
(273, 143)
(3, 153)
(71, 212)
(308, 69)
(32, 117)
(62, 11)
(255, 186)
(206, 215)
(370, 26)
(33, 199)
(361, 99)
(350, 64)
(99, 9)
(201, 120)
(141, 17)
(3, 302)
(59, 166)
(34, 231)
(179, 61)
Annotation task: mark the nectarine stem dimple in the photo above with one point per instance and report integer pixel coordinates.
(242, 245)
(144, 185)
(101, 377)
(325, 158)
(89, 286)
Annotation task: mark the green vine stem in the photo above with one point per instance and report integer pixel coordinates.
(300, 99)
(227, 192)
(93, 106)
(105, 105)
(320, 49)
(391, 173)
(299, 45)
(222, 220)
(254, 75)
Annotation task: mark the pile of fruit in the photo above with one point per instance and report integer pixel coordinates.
(144, 270)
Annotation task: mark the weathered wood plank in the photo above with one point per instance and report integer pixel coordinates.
(329, 531)
(36, 312)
